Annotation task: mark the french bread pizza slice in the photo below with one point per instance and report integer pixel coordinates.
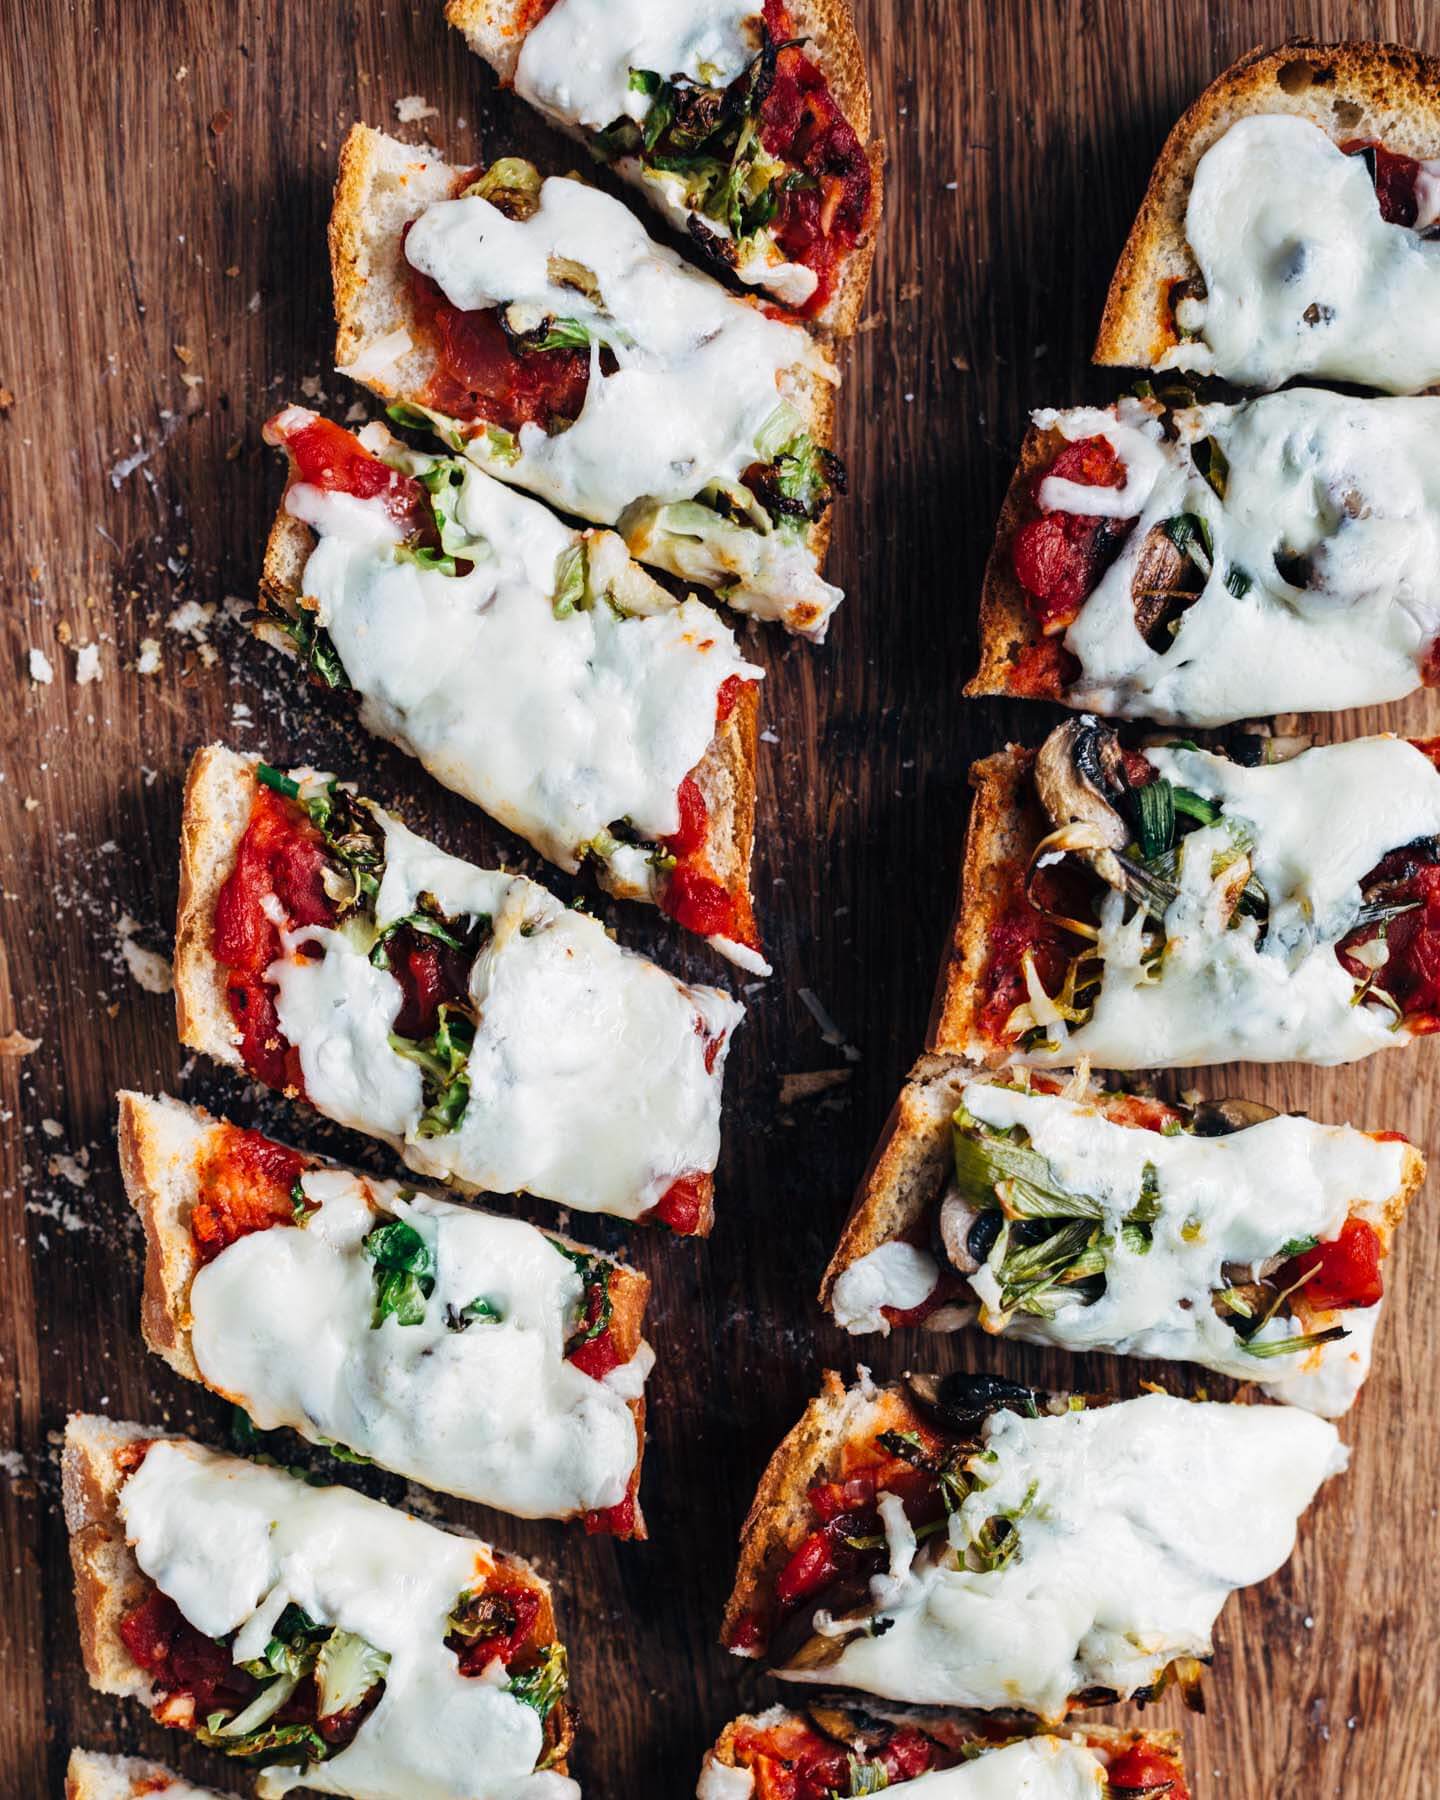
(331, 1642)
(541, 333)
(1222, 1233)
(835, 1752)
(472, 1353)
(964, 1541)
(1169, 906)
(91, 1775)
(498, 1040)
(1200, 564)
(1292, 226)
(532, 668)
(748, 126)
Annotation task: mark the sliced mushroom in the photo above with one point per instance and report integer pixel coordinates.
(961, 1400)
(1218, 1118)
(1079, 773)
(954, 1224)
(1164, 583)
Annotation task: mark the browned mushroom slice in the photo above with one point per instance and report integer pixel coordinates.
(1165, 582)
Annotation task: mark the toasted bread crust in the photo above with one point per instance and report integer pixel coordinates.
(382, 184)
(219, 793)
(1348, 89)
(161, 1143)
(108, 1580)
(1008, 628)
(496, 30)
(726, 774)
(92, 1776)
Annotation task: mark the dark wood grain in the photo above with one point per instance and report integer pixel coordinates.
(165, 195)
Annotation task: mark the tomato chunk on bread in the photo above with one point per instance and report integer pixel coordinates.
(475, 1354)
(1289, 226)
(497, 1039)
(1222, 1233)
(746, 125)
(835, 1752)
(317, 1631)
(967, 1541)
(535, 327)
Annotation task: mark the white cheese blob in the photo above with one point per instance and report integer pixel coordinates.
(1136, 1522)
(1039, 1768)
(232, 1544)
(700, 374)
(281, 1323)
(1302, 275)
(558, 727)
(588, 1077)
(1319, 824)
(1234, 1199)
(1330, 525)
(897, 1274)
(575, 65)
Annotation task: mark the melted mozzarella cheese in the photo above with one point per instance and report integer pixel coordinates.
(233, 1544)
(558, 727)
(576, 64)
(494, 1412)
(897, 1275)
(1342, 493)
(1135, 1522)
(700, 374)
(588, 1079)
(1233, 1199)
(1319, 824)
(1302, 274)
(1039, 1768)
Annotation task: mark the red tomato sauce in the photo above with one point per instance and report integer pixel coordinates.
(613, 1521)
(333, 459)
(245, 1184)
(683, 1205)
(1346, 1270)
(1060, 557)
(180, 1659)
(518, 1614)
(793, 1761)
(1396, 180)
(1142, 1768)
(693, 893)
(801, 124)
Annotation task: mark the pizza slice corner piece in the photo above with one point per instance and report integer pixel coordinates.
(472, 1353)
(835, 1752)
(537, 330)
(495, 1038)
(1167, 906)
(1222, 1233)
(966, 1541)
(335, 1643)
(533, 668)
(1289, 228)
(746, 126)
(1137, 571)
(94, 1775)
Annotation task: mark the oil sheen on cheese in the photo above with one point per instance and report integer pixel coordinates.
(558, 727)
(1142, 1518)
(700, 372)
(1302, 274)
(1329, 529)
(233, 1544)
(588, 1083)
(281, 1322)
(1319, 824)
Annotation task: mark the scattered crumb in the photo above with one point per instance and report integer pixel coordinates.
(311, 389)
(183, 351)
(807, 1085)
(41, 669)
(149, 660)
(87, 664)
(412, 108)
(829, 1030)
(52, 1128)
(15, 1043)
(148, 969)
(7, 400)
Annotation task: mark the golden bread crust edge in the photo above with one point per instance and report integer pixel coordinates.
(1382, 80)
(1008, 628)
(207, 856)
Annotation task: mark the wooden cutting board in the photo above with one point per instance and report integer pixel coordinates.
(165, 288)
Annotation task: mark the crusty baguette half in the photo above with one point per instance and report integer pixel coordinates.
(1350, 90)
(89, 1775)
(726, 776)
(219, 794)
(1008, 628)
(496, 30)
(954, 1729)
(382, 186)
(910, 1166)
(162, 1143)
(108, 1580)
